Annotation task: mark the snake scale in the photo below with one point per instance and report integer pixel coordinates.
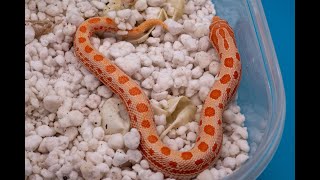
(172, 163)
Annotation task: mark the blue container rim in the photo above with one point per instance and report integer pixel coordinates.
(262, 157)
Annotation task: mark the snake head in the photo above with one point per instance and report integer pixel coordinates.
(219, 25)
(217, 22)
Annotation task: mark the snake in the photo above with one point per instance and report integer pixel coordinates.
(206, 150)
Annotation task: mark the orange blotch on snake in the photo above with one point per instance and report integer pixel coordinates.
(83, 60)
(145, 124)
(83, 29)
(203, 146)
(226, 44)
(209, 111)
(109, 79)
(228, 62)
(214, 147)
(220, 105)
(99, 71)
(199, 161)
(141, 107)
(194, 170)
(82, 39)
(157, 163)
(225, 79)
(165, 150)
(121, 90)
(204, 166)
(152, 139)
(235, 75)
(214, 39)
(238, 56)
(134, 118)
(215, 94)
(94, 20)
(88, 49)
(151, 152)
(98, 57)
(175, 171)
(109, 21)
(173, 164)
(134, 91)
(222, 34)
(186, 155)
(228, 91)
(219, 122)
(200, 122)
(208, 129)
(198, 139)
(110, 68)
(123, 79)
(129, 102)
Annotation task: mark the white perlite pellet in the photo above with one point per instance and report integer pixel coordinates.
(63, 133)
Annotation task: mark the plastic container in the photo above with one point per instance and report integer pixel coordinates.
(261, 93)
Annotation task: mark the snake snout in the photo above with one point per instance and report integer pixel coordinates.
(216, 18)
(217, 22)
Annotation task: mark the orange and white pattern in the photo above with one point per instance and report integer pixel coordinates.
(172, 163)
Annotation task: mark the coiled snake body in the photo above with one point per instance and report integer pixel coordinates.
(172, 163)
